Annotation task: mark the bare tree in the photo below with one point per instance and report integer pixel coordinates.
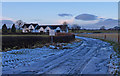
(75, 27)
(64, 23)
(19, 23)
(102, 28)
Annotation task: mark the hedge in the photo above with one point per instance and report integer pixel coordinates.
(29, 41)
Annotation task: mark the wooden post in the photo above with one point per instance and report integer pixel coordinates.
(51, 39)
(104, 36)
(118, 38)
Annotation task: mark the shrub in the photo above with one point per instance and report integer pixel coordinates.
(13, 28)
(17, 42)
(4, 28)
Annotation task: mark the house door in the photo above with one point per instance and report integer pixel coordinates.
(41, 32)
(47, 31)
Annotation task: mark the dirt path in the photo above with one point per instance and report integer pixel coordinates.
(92, 57)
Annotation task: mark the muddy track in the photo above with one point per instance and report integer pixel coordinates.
(75, 61)
(91, 57)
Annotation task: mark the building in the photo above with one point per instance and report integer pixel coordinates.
(28, 27)
(35, 28)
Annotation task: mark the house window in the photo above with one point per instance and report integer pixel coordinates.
(47, 31)
(57, 31)
(31, 27)
(41, 31)
(31, 30)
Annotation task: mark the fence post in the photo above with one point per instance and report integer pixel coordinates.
(118, 38)
(104, 36)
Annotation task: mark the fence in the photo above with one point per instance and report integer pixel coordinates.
(115, 37)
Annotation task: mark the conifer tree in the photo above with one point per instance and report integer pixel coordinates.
(4, 28)
(13, 28)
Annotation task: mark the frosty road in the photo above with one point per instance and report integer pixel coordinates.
(92, 56)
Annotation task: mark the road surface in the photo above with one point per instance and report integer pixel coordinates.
(91, 57)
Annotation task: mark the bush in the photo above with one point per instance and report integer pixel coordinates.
(31, 41)
(4, 28)
(13, 28)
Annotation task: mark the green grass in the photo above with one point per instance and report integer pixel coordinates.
(92, 31)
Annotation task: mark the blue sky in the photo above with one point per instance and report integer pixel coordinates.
(47, 12)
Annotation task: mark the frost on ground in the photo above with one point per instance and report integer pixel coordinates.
(114, 64)
(90, 56)
(25, 57)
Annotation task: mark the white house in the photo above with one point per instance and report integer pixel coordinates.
(58, 29)
(29, 28)
(41, 29)
(48, 29)
(44, 28)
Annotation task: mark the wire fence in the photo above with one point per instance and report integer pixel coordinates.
(115, 37)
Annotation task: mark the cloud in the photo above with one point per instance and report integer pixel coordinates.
(108, 22)
(64, 15)
(69, 21)
(6, 18)
(86, 17)
(7, 21)
(93, 21)
(35, 19)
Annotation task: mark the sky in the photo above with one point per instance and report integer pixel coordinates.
(85, 14)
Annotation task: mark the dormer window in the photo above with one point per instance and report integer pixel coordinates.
(30, 27)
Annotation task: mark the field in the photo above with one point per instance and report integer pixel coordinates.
(93, 31)
(106, 36)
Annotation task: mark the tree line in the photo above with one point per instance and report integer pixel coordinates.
(13, 29)
(6, 30)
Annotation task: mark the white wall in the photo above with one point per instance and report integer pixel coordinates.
(31, 27)
(23, 30)
(41, 29)
(47, 28)
(58, 28)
